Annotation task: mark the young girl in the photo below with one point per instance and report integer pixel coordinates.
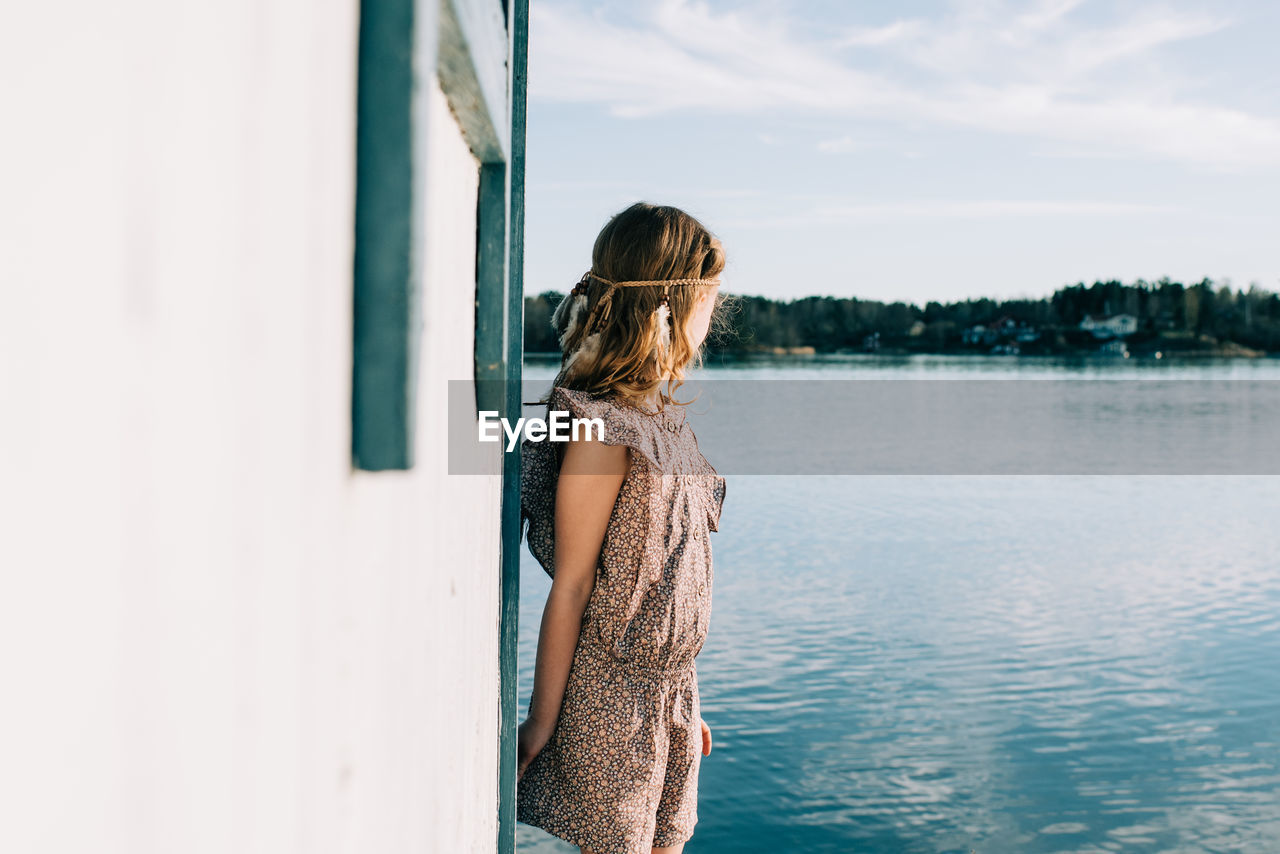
(609, 755)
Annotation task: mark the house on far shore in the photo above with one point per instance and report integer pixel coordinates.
(1116, 326)
(1005, 325)
(1003, 328)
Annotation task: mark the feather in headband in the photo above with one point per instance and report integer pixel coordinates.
(572, 312)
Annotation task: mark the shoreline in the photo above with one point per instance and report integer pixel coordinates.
(800, 353)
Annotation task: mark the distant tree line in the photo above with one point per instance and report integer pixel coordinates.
(1167, 312)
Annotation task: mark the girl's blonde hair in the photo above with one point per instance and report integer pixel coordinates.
(625, 327)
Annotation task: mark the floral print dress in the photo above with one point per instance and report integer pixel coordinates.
(620, 772)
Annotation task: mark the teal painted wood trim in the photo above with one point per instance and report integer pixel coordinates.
(491, 288)
(386, 323)
(472, 64)
(509, 608)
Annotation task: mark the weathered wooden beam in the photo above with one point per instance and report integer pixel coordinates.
(473, 73)
(386, 308)
(491, 288)
(509, 613)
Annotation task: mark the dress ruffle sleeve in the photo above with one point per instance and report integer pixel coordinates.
(620, 427)
(538, 469)
(540, 462)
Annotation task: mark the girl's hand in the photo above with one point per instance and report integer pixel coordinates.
(706, 738)
(531, 738)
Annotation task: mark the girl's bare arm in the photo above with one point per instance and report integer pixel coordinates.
(591, 474)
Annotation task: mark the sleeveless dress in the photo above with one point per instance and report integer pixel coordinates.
(620, 773)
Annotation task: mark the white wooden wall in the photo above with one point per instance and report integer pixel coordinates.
(214, 635)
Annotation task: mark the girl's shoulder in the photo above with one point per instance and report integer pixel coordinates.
(610, 420)
(649, 434)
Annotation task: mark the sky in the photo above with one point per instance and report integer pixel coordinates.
(913, 150)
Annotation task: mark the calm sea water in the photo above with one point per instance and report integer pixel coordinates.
(988, 664)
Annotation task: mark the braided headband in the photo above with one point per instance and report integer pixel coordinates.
(576, 305)
(650, 282)
(581, 287)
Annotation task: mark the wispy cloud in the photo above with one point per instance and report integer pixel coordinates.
(949, 209)
(684, 56)
(840, 145)
(1039, 72)
(972, 209)
(878, 36)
